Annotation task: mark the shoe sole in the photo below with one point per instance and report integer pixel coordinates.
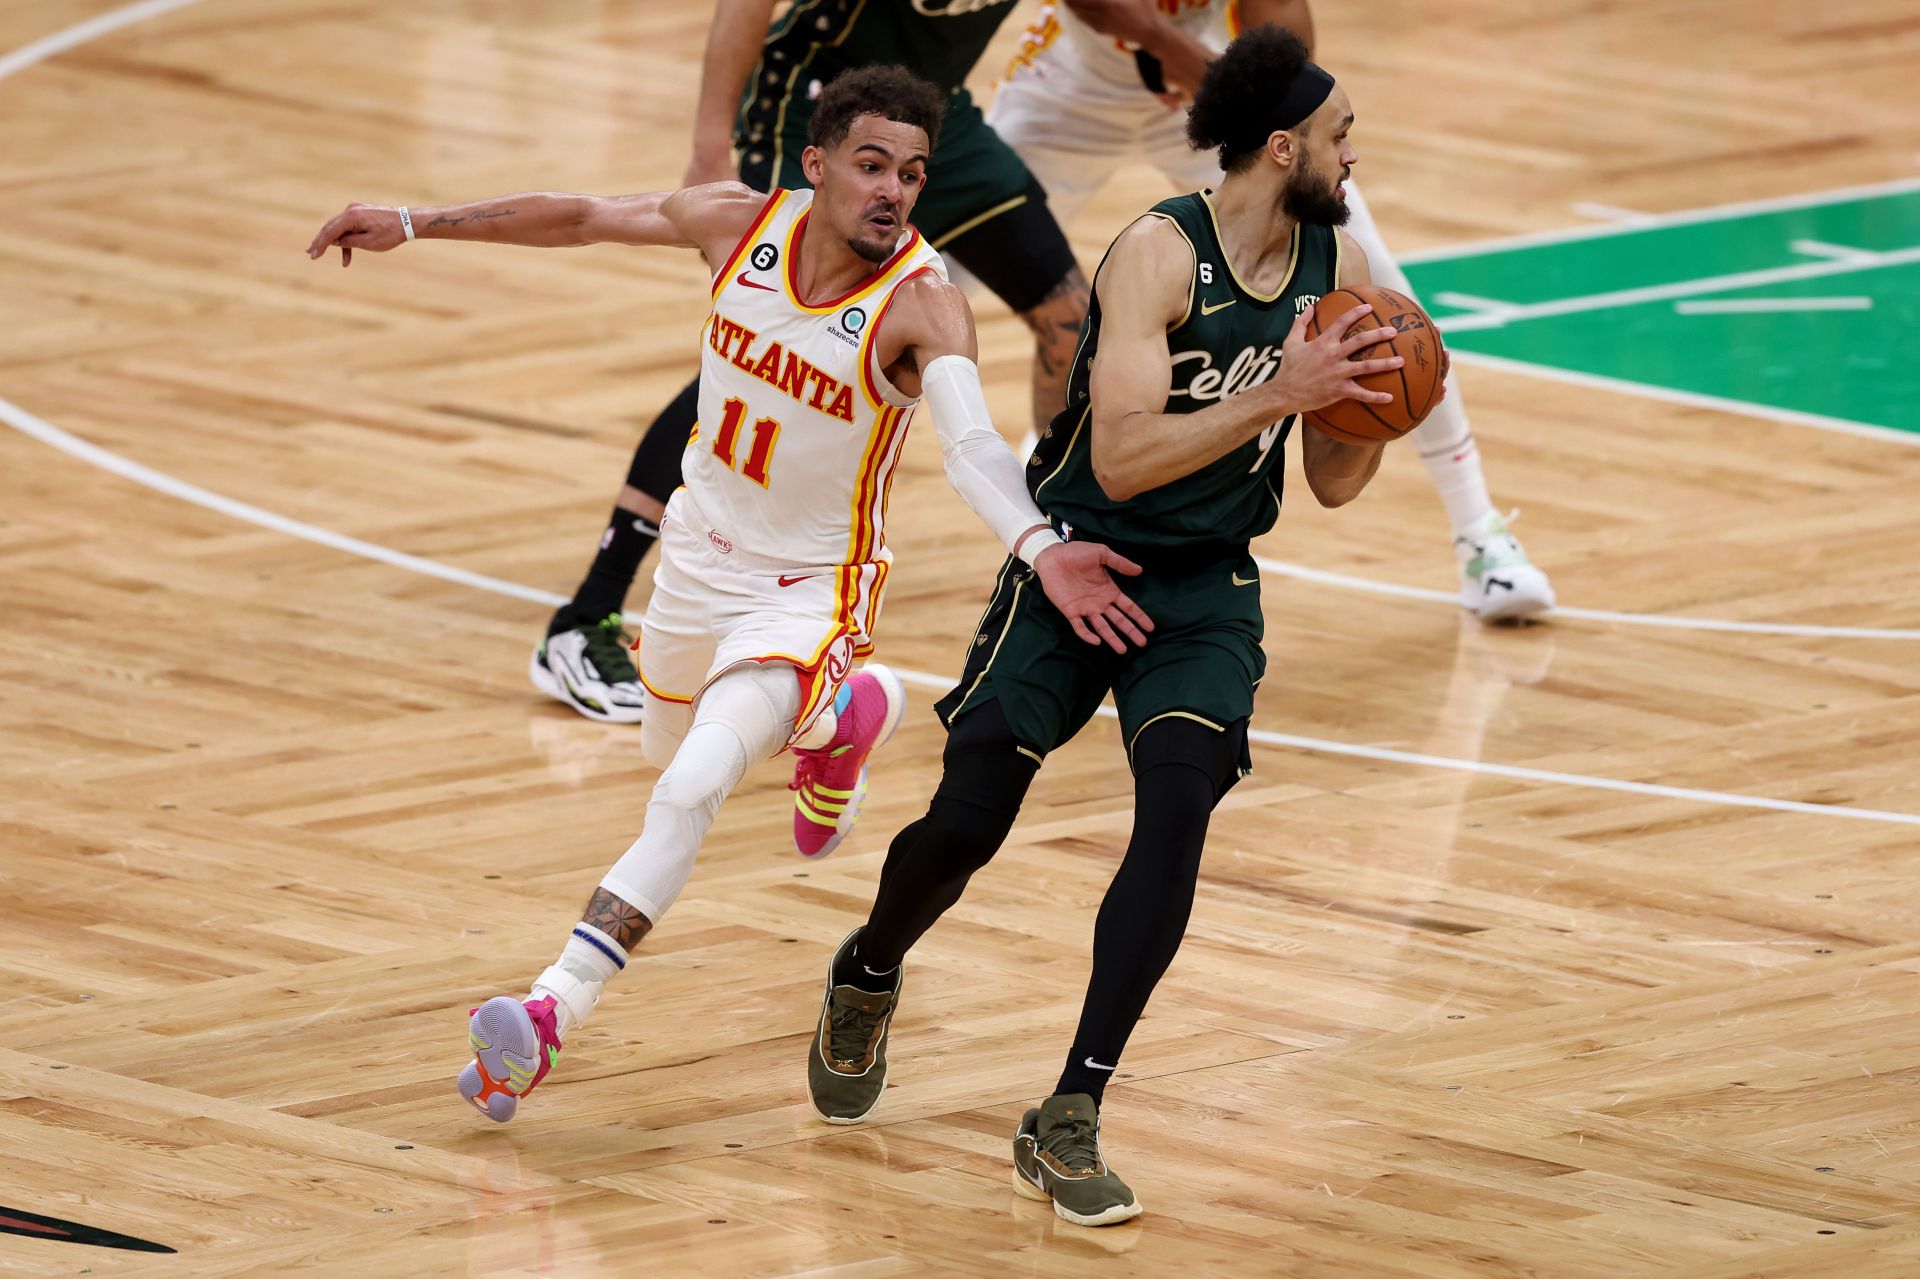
(896, 693)
(542, 677)
(843, 1120)
(1111, 1217)
(499, 1029)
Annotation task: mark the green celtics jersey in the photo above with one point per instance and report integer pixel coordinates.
(815, 40)
(1228, 340)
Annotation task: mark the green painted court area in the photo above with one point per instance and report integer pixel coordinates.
(1812, 308)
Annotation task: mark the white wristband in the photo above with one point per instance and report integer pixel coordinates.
(406, 222)
(1035, 542)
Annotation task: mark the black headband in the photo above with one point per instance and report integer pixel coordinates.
(1304, 96)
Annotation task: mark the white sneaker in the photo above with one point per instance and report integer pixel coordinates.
(1497, 581)
(588, 669)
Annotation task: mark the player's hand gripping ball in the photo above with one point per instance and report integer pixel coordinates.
(1416, 386)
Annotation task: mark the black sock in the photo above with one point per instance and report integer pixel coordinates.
(849, 971)
(1086, 1072)
(604, 589)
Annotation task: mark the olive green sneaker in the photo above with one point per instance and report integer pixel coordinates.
(847, 1056)
(1056, 1155)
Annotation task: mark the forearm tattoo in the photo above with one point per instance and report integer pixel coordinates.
(1056, 320)
(624, 923)
(481, 216)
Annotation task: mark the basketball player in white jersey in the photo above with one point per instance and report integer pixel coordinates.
(1100, 82)
(831, 319)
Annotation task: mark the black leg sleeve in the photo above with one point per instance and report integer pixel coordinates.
(984, 778)
(1181, 769)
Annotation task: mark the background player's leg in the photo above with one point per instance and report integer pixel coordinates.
(583, 661)
(1497, 580)
(1181, 769)
(1023, 257)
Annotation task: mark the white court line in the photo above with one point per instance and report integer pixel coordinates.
(28, 424)
(1614, 213)
(1516, 772)
(1691, 399)
(1769, 306)
(1347, 582)
(13, 415)
(47, 433)
(1821, 249)
(81, 32)
(1680, 288)
(1682, 217)
(1475, 303)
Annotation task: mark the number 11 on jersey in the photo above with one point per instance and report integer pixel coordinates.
(765, 432)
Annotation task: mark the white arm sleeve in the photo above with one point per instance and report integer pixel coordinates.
(980, 466)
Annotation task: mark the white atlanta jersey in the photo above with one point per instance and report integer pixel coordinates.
(799, 431)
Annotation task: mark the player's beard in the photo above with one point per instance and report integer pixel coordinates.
(1309, 197)
(874, 251)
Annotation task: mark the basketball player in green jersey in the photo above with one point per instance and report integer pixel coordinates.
(1192, 371)
(759, 82)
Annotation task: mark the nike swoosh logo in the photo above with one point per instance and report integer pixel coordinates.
(1245, 581)
(1094, 1065)
(784, 580)
(743, 280)
(1209, 310)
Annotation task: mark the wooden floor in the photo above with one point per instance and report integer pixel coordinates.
(276, 815)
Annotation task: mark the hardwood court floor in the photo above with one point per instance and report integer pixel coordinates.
(276, 815)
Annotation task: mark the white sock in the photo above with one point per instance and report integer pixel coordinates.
(587, 962)
(1452, 458)
(1444, 440)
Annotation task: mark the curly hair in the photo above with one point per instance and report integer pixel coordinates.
(1239, 102)
(893, 93)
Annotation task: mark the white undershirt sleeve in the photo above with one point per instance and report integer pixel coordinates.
(980, 466)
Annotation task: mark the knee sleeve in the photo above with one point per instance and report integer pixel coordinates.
(744, 715)
(1179, 743)
(663, 726)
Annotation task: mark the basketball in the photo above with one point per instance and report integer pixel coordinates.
(1415, 386)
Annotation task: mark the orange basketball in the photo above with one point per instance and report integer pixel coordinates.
(1415, 386)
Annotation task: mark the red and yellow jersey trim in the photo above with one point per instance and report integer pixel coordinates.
(859, 291)
(1235, 23)
(869, 379)
(870, 486)
(641, 670)
(721, 276)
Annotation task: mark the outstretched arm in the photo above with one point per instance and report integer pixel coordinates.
(693, 217)
(929, 341)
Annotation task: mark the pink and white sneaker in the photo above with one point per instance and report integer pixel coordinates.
(830, 782)
(515, 1043)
